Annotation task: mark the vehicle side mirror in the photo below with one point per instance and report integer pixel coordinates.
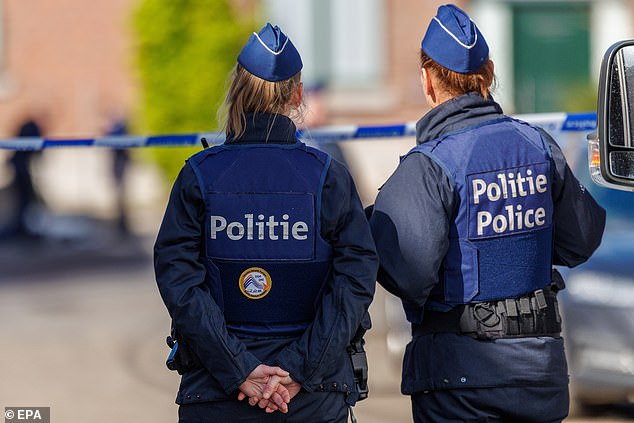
(611, 148)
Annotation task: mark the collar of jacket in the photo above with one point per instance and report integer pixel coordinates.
(263, 128)
(453, 115)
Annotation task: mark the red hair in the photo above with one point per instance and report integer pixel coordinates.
(461, 83)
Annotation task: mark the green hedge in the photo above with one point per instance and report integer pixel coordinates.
(185, 50)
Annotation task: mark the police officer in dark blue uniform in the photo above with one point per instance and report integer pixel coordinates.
(265, 259)
(467, 230)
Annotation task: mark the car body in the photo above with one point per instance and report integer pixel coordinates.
(598, 304)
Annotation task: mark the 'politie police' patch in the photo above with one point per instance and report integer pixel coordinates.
(255, 283)
(510, 201)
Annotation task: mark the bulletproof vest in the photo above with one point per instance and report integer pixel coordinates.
(500, 237)
(266, 260)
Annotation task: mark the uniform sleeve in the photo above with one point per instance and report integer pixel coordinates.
(410, 225)
(349, 290)
(180, 277)
(578, 220)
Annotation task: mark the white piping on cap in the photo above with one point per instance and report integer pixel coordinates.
(267, 47)
(456, 38)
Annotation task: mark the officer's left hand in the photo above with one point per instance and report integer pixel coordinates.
(271, 404)
(278, 401)
(263, 383)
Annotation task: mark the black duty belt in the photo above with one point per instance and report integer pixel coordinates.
(536, 314)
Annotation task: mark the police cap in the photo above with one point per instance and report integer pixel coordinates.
(270, 55)
(454, 41)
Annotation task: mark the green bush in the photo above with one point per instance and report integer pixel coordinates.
(185, 50)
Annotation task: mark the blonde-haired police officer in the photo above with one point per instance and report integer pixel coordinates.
(265, 259)
(467, 229)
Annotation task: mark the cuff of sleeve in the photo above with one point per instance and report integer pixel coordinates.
(245, 363)
(293, 362)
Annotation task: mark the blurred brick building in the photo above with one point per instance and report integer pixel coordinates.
(70, 62)
(547, 53)
(66, 63)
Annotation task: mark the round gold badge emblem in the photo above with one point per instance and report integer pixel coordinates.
(255, 283)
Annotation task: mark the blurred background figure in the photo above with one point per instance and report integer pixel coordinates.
(316, 107)
(120, 164)
(315, 103)
(22, 186)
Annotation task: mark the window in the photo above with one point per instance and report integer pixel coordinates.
(341, 42)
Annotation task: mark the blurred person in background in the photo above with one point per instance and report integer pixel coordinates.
(316, 116)
(467, 229)
(120, 164)
(265, 259)
(22, 185)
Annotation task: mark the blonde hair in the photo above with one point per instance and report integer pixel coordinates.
(249, 94)
(455, 83)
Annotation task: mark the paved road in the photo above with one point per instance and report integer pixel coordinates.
(84, 330)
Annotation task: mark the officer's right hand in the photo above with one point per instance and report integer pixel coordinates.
(292, 386)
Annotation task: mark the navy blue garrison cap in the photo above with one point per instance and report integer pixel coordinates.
(270, 55)
(454, 41)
